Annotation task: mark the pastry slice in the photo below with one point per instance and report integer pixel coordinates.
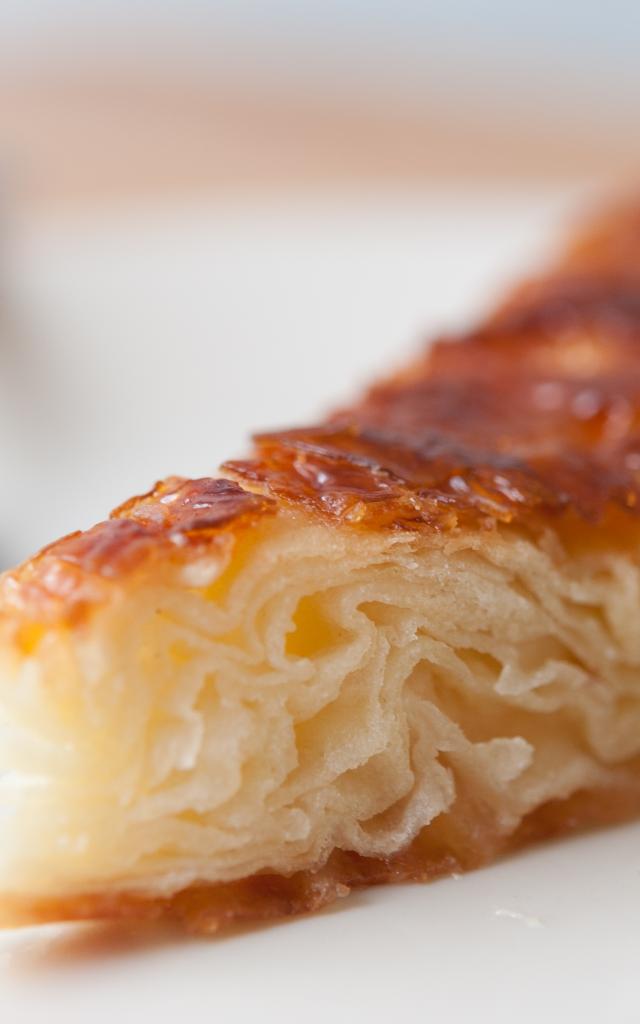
(386, 647)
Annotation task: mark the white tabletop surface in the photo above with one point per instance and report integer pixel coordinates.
(146, 342)
(550, 936)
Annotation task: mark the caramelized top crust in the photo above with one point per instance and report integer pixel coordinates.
(69, 576)
(534, 415)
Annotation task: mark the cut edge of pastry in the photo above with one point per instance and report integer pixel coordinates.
(250, 723)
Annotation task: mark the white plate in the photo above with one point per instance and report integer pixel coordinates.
(550, 935)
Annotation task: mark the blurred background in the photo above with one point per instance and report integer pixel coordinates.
(218, 215)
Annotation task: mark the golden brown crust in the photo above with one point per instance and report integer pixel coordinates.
(533, 415)
(68, 576)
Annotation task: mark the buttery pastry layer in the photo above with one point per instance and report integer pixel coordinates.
(385, 647)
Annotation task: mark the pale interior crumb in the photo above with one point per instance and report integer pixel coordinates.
(329, 689)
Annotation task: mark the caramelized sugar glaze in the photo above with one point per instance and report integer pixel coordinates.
(532, 417)
(534, 414)
(69, 576)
